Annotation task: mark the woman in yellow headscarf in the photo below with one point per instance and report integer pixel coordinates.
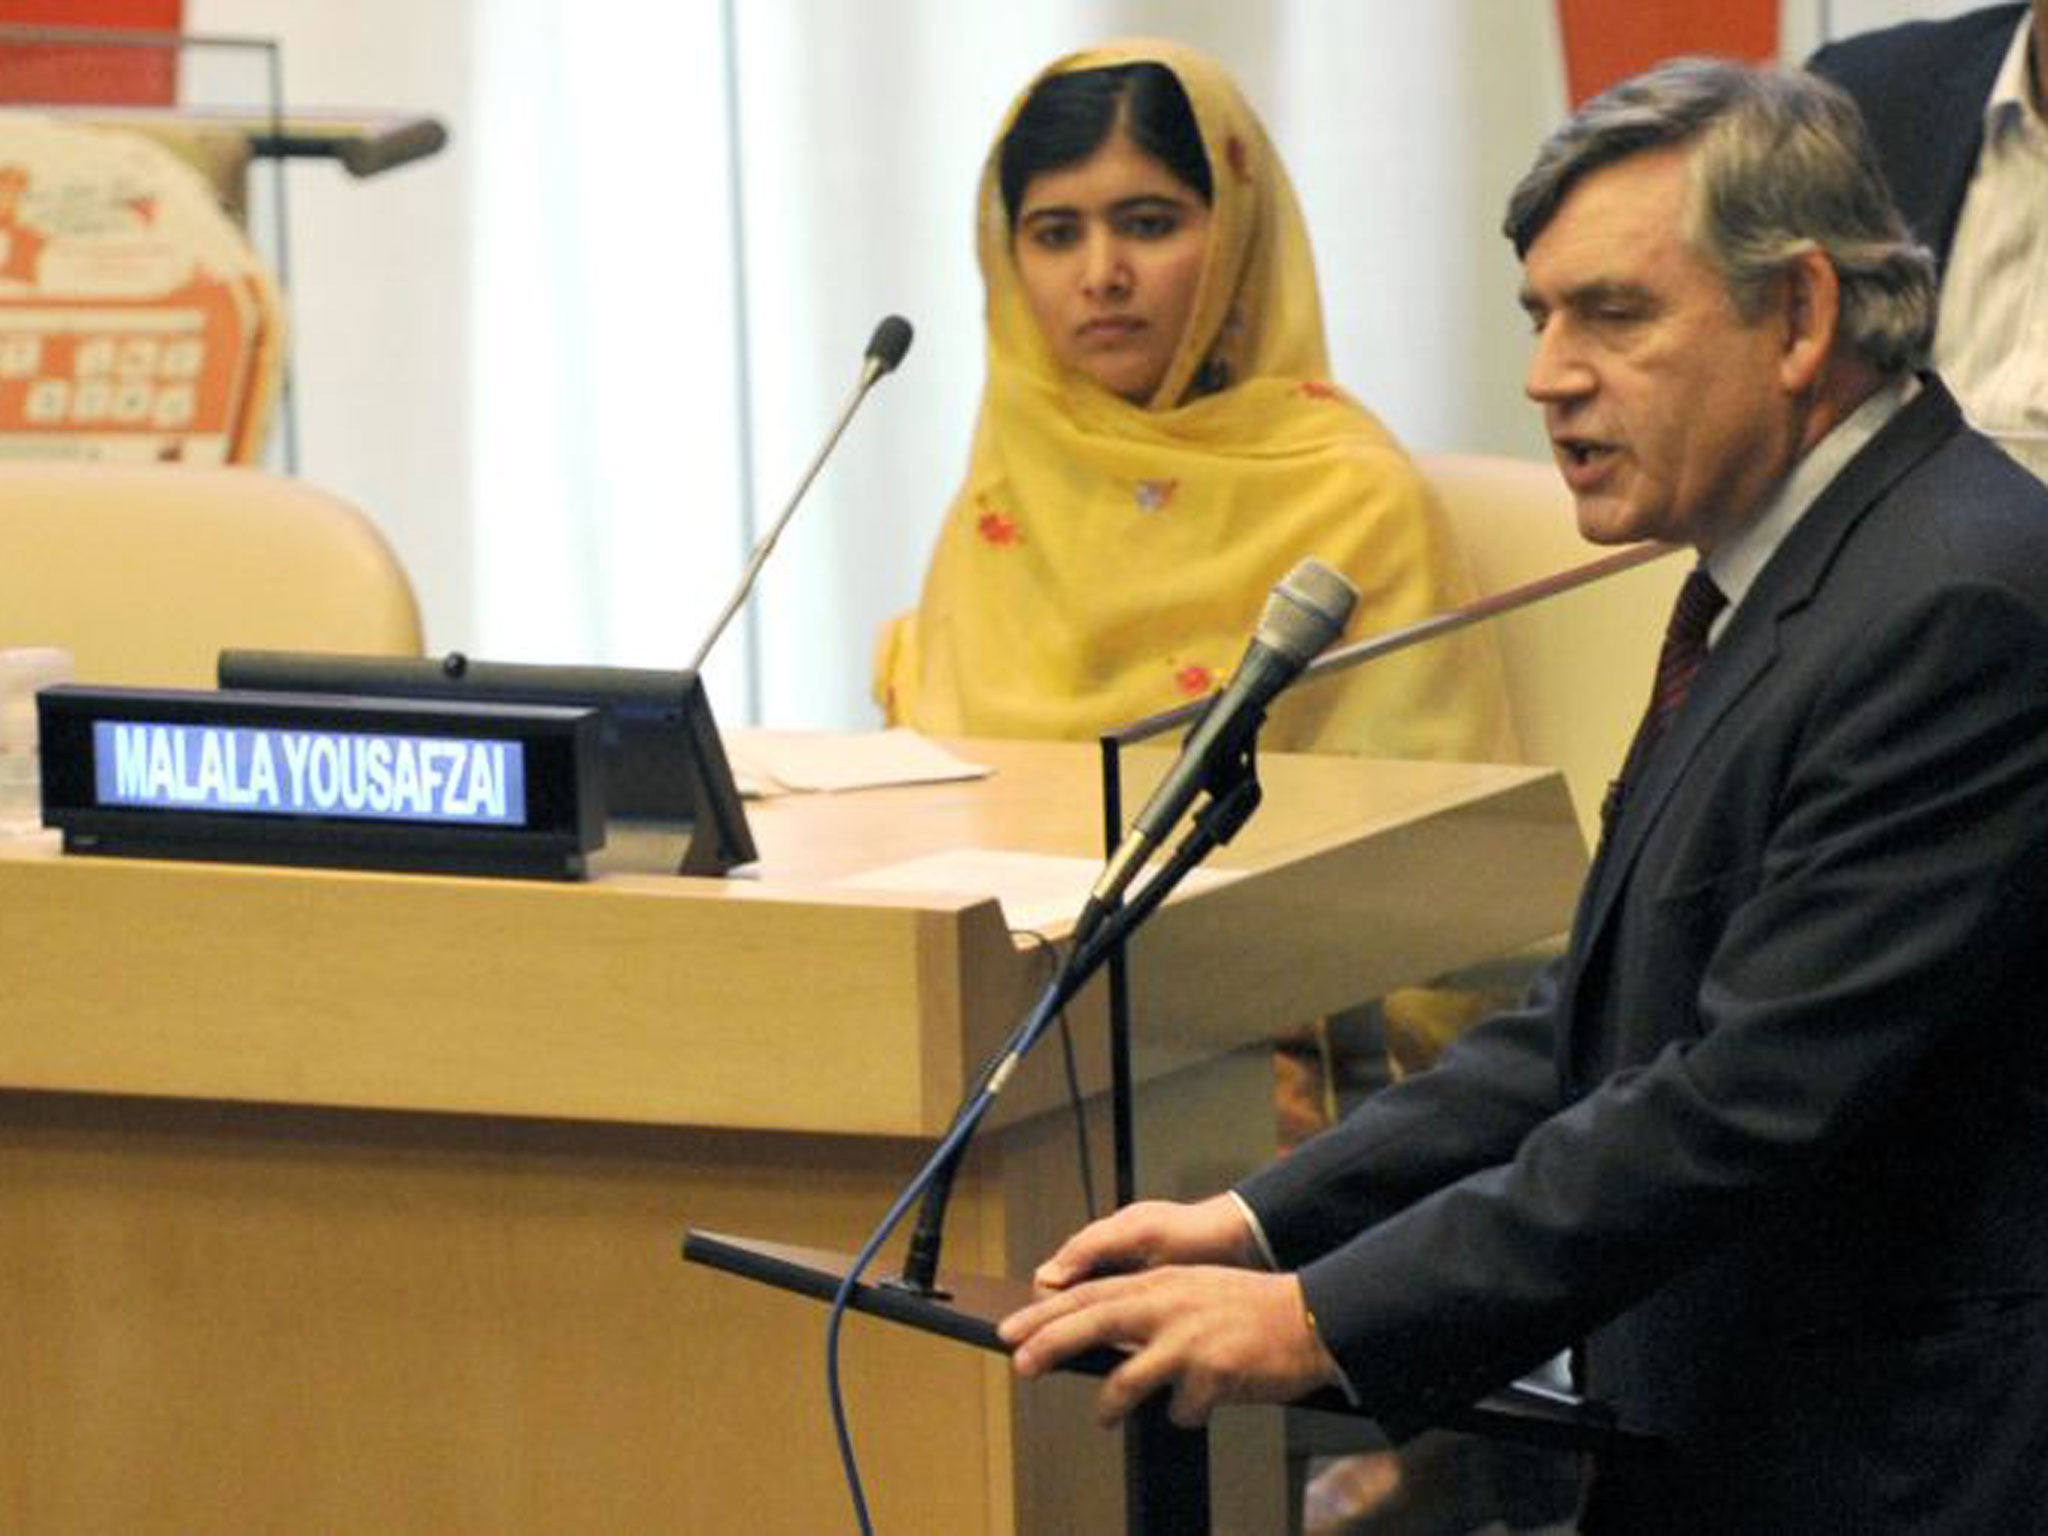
(1160, 443)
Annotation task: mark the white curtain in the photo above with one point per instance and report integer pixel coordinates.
(603, 416)
(530, 359)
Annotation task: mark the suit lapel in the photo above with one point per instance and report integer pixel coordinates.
(1749, 645)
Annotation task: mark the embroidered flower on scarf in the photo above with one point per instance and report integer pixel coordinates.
(995, 526)
(1238, 158)
(1154, 495)
(1195, 680)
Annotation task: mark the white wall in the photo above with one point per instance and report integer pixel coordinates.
(379, 271)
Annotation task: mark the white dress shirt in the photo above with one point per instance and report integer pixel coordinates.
(1991, 341)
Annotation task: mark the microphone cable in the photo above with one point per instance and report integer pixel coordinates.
(1084, 1159)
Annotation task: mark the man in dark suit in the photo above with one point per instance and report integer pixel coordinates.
(1958, 114)
(1768, 1146)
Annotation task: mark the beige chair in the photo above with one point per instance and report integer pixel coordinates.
(1578, 663)
(145, 573)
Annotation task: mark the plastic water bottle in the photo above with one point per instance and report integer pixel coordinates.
(24, 673)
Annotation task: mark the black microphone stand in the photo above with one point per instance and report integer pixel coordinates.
(1232, 786)
(1233, 794)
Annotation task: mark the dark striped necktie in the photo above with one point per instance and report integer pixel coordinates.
(1685, 647)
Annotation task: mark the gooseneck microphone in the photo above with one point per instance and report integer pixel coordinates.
(886, 348)
(1305, 613)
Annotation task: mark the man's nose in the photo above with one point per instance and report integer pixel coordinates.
(1557, 370)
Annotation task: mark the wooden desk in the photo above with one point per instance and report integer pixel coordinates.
(350, 1202)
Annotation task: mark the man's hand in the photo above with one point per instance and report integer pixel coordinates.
(1151, 1233)
(1214, 1335)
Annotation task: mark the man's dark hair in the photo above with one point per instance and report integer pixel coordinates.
(1780, 165)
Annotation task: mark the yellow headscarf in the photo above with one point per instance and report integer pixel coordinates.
(1105, 561)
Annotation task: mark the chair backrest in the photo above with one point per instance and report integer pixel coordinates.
(1578, 664)
(146, 572)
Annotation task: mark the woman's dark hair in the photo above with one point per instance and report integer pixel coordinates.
(1066, 118)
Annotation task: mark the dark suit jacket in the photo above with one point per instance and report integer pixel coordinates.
(1922, 87)
(1772, 1137)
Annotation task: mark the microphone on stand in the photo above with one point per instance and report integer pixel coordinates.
(1307, 610)
(886, 348)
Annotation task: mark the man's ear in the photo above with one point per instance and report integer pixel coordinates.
(1812, 300)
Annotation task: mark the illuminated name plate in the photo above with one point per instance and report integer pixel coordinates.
(305, 772)
(323, 779)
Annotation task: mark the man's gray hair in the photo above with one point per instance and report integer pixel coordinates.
(1781, 165)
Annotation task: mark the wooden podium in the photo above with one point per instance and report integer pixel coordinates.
(349, 1201)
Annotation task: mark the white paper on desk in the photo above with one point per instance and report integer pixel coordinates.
(1037, 890)
(768, 762)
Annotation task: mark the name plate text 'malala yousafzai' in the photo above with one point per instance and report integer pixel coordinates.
(322, 779)
(309, 772)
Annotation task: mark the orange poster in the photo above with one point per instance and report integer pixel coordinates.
(1609, 40)
(132, 310)
(47, 73)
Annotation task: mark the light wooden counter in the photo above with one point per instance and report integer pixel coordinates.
(349, 1202)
